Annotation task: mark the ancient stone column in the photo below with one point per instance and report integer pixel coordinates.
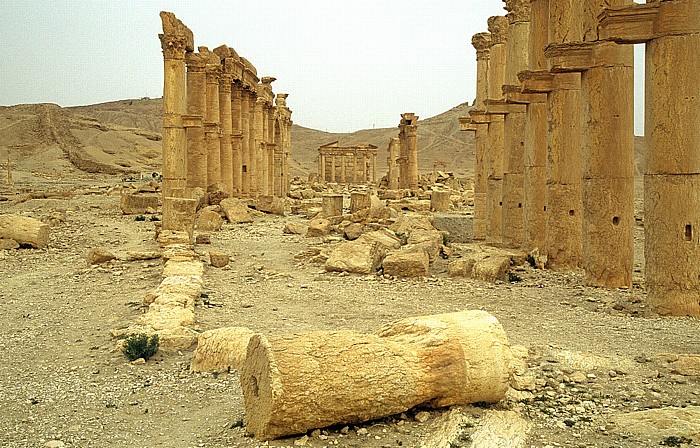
(373, 161)
(175, 41)
(393, 176)
(245, 142)
(196, 101)
(354, 167)
(535, 157)
(226, 159)
(333, 168)
(496, 110)
(607, 94)
(517, 56)
(212, 118)
(671, 30)
(408, 133)
(256, 155)
(237, 138)
(264, 159)
(343, 180)
(322, 168)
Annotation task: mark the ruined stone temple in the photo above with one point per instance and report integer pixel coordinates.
(224, 129)
(554, 132)
(347, 165)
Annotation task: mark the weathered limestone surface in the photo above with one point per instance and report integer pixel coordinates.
(208, 221)
(223, 350)
(99, 255)
(332, 204)
(409, 262)
(135, 204)
(236, 211)
(179, 214)
(296, 382)
(356, 257)
(24, 230)
(440, 201)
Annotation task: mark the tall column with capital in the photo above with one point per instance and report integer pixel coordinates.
(343, 179)
(237, 138)
(373, 157)
(175, 41)
(196, 103)
(264, 155)
(322, 168)
(408, 133)
(393, 176)
(256, 155)
(495, 110)
(226, 132)
(671, 31)
(332, 180)
(212, 118)
(245, 142)
(517, 50)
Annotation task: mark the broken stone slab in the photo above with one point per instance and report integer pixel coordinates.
(296, 382)
(7, 244)
(353, 231)
(459, 226)
(223, 350)
(139, 204)
(190, 286)
(407, 262)
(99, 255)
(167, 317)
(179, 268)
(208, 221)
(270, 204)
(356, 257)
(293, 228)
(430, 240)
(24, 230)
(660, 423)
(141, 255)
(236, 211)
(480, 266)
(318, 227)
(384, 237)
(679, 363)
(170, 237)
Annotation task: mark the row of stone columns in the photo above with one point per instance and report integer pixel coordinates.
(224, 129)
(554, 124)
(347, 165)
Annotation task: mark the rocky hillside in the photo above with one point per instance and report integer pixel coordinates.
(124, 137)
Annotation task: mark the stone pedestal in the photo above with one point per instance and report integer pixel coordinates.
(360, 200)
(332, 205)
(440, 201)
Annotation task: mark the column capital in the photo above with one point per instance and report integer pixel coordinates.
(639, 23)
(518, 10)
(196, 62)
(225, 83)
(482, 43)
(173, 46)
(281, 100)
(498, 27)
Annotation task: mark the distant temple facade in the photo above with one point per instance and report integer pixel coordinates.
(348, 165)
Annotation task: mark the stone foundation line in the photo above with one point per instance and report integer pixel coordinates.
(554, 128)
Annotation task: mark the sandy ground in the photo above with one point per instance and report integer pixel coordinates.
(61, 378)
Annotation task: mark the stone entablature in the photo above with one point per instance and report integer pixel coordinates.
(348, 165)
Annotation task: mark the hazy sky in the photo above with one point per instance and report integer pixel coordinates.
(346, 65)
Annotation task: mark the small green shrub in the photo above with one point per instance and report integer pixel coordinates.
(140, 345)
(154, 218)
(514, 278)
(140, 218)
(676, 441)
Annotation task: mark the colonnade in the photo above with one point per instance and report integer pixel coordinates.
(223, 127)
(554, 130)
(347, 164)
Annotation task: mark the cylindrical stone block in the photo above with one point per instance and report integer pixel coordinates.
(226, 159)
(564, 226)
(245, 143)
(332, 205)
(494, 211)
(539, 34)
(608, 226)
(513, 205)
(440, 201)
(535, 213)
(672, 243)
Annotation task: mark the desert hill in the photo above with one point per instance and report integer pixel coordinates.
(123, 137)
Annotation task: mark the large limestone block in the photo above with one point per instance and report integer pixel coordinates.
(407, 263)
(176, 339)
(440, 201)
(270, 204)
(491, 268)
(236, 211)
(223, 349)
(296, 382)
(188, 285)
(360, 200)
(191, 268)
(136, 204)
(460, 227)
(179, 214)
(332, 205)
(430, 240)
(386, 238)
(167, 317)
(26, 231)
(208, 221)
(318, 227)
(356, 257)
